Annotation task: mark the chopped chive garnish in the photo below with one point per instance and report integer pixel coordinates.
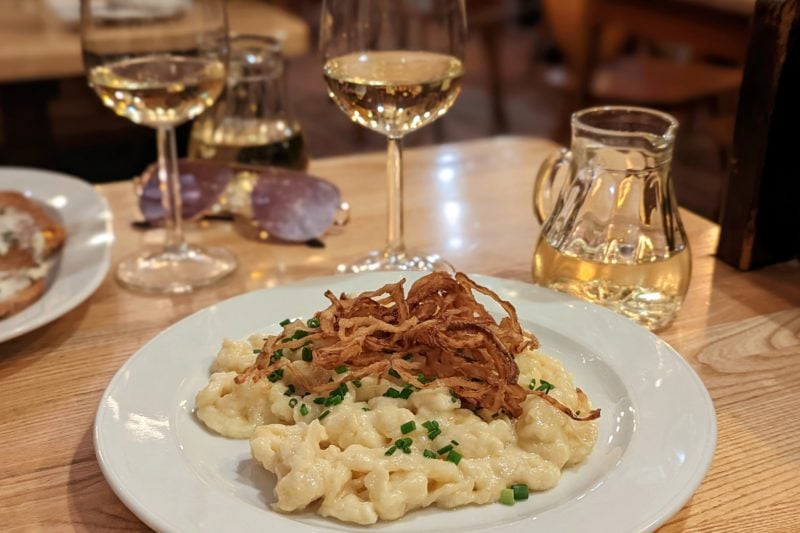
(408, 427)
(285, 322)
(454, 442)
(287, 339)
(333, 400)
(390, 451)
(289, 390)
(275, 376)
(292, 402)
(421, 378)
(429, 454)
(407, 357)
(277, 354)
(393, 373)
(356, 383)
(341, 369)
(454, 457)
(256, 350)
(520, 491)
(303, 410)
(406, 450)
(403, 443)
(545, 386)
(577, 413)
(406, 392)
(312, 322)
(532, 386)
(433, 428)
(299, 334)
(453, 397)
(307, 356)
(324, 413)
(391, 392)
(507, 497)
(319, 401)
(365, 408)
(444, 450)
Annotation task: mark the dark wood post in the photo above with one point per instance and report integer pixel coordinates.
(761, 206)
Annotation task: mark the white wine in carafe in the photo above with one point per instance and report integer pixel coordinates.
(649, 292)
(250, 141)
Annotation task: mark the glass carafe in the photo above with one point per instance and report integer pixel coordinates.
(252, 122)
(612, 233)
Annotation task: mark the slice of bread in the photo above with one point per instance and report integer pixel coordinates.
(22, 261)
(53, 233)
(21, 299)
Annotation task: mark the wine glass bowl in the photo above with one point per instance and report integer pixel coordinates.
(160, 69)
(393, 66)
(394, 92)
(159, 90)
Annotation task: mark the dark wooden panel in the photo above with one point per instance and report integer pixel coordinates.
(760, 223)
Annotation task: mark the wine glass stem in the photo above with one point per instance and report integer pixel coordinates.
(394, 174)
(169, 182)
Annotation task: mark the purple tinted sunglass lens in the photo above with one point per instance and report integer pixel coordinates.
(293, 206)
(202, 183)
(289, 205)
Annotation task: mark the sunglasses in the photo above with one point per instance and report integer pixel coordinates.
(288, 205)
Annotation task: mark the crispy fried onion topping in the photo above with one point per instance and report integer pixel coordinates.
(438, 335)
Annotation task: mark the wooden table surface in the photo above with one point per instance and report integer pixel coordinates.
(469, 201)
(35, 45)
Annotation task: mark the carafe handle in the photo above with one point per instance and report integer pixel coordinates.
(544, 186)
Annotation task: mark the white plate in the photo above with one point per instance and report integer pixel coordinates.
(82, 263)
(657, 432)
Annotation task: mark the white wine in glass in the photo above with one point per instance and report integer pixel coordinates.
(159, 89)
(160, 68)
(394, 66)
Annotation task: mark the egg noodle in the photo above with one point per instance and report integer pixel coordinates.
(384, 403)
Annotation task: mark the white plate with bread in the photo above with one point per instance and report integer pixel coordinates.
(55, 246)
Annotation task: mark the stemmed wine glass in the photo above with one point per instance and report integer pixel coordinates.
(394, 66)
(160, 64)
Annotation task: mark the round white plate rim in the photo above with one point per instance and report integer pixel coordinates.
(13, 178)
(703, 453)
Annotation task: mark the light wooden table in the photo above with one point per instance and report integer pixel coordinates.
(471, 202)
(37, 46)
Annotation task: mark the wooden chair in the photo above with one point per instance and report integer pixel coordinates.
(590, 33)
(487, 18)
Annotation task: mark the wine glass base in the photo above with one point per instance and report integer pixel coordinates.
(382, 261)
(175, 270)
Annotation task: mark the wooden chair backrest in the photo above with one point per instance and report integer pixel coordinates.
(707, 30)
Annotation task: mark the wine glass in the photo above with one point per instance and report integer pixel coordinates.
(160, 64)
(394, 66)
